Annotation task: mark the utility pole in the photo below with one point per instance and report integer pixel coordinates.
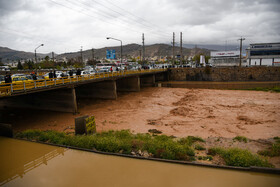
(143, 42)
(173, 53)
(53, 56)
(92, 51)
(181, 49)
(140, 54)
(241, 39)
(82, 54)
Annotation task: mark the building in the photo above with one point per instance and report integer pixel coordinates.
(264, 54)
(225, 58)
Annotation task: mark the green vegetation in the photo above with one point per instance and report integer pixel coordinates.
(90, 125)
(123, 141)
(205, 158)
(274, 89)
(199, 147)
(241, 139)
(239, 157)
(190, 140)
(274, 150)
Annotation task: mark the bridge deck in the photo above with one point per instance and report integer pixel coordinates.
(19, 88)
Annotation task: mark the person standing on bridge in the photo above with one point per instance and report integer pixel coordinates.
(71, 73)
(6, 78)
(34, 76)
(78, 72)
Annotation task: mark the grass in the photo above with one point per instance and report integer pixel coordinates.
(205, 158)
(199, 147)
(273, 89)
(239, 157)
(123, 141)
(272, 151)
(241, 139)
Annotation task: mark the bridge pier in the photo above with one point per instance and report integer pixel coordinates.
(100, 90)
(147, 80)
(161, 77)
(61, 100)
(128, 84)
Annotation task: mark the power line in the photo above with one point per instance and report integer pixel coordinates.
(149, 23)
(124, 17)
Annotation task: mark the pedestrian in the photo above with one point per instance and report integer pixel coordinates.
(78, 72)
(54, 74)
(71, 73)
(6, 78)
(50, 75)
(112, 69)
(34, 76)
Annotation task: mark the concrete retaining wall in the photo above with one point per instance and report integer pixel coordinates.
(225, 74)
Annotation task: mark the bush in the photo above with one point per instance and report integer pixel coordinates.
(199, 147)
(190, 140)
(274, 150)
(123, 141)
(239, 157)
(241, 139)
(205, 158)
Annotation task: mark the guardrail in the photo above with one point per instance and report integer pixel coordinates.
(7, 89)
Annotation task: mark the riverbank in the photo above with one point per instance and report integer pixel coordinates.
(163, 147)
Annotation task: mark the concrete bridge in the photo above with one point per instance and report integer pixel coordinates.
(61, 94)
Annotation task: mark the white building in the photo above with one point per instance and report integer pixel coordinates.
(264, 54)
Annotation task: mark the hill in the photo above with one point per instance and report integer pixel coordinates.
(7, 54)
(133, 50)
(130, 50)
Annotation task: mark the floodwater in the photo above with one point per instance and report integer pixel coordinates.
(179, 112)
(25, 163)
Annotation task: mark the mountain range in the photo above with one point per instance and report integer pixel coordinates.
(130, 50)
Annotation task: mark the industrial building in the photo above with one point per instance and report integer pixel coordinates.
(264, 54)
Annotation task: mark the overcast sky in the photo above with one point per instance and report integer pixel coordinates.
(66, 25)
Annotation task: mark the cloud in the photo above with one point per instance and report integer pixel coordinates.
(66, 25)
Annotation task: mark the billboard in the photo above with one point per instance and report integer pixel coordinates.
(225, 53)
(264, 50)
(111, 54)
(265, 46)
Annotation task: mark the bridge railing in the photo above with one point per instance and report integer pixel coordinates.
(7, 89)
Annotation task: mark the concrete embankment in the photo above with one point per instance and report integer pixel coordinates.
(220, 85)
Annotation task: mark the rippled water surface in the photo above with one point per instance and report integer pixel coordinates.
(25, 163)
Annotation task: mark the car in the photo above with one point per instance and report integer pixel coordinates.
(18, 75)
(2, 79)
(20, 79)
(84, 72)
(58, 75)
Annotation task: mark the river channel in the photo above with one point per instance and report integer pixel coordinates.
(24, 163)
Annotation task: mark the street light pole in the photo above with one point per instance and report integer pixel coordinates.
(36, 54)
(119, 41)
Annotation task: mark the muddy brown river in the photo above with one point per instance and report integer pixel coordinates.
(25, 163)
(174, 111)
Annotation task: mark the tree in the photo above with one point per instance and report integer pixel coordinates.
(19, 66)
(47, 58)
(29, 65)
